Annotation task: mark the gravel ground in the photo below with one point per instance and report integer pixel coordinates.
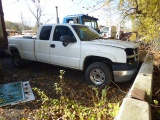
(43, 76)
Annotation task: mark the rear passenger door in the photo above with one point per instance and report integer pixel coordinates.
(42, 44)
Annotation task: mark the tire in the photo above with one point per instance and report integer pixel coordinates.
(98, 74)
(17, 60)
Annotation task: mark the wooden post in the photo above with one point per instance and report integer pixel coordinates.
(3, 33)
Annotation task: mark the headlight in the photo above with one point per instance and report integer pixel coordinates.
(129, 51)
(132, 55)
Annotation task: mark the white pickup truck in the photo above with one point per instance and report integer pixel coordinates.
(78, 47)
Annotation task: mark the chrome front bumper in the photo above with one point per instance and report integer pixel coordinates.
(121, 76)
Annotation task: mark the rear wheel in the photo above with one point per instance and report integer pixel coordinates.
(17, 60)
(98, 74)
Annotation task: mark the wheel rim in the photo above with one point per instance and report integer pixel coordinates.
(16, 61)
(97, 76)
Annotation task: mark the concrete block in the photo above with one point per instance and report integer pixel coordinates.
(143, 80)
(132, 109)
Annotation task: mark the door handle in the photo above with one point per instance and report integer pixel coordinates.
(52, 45)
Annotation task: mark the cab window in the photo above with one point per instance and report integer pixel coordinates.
(45, 32)
(61, 30)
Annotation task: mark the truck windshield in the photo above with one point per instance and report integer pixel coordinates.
(90, 22)
(86, 33)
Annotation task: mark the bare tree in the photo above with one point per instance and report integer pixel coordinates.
(37, 12)
(23, 22)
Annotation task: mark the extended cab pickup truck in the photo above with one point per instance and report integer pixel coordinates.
(79, 47)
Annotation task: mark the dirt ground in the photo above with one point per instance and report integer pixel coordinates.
(43, 76)
(155, 109)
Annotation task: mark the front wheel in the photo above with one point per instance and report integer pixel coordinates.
(98, 74)
(17, 60)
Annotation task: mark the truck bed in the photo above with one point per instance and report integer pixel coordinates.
(26, 46)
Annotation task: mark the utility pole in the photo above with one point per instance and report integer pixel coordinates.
(57, 14)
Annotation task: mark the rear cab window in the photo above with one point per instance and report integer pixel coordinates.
(45, 32)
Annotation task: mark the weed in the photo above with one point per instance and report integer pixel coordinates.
(64, 108)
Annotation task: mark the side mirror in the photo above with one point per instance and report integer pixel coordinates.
(66, 39)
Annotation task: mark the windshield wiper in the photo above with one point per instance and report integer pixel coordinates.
(89, 38)
(93, 37)
(98, 38)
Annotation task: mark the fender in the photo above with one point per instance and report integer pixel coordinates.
(14, 46)
(87, 54)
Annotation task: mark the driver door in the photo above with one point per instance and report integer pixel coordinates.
(68, 56)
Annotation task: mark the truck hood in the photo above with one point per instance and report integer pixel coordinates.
(114, 43)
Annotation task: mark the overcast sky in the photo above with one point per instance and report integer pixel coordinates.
(13, 9)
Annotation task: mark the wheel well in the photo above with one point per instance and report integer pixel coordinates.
(91, 59)
(14, 50)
